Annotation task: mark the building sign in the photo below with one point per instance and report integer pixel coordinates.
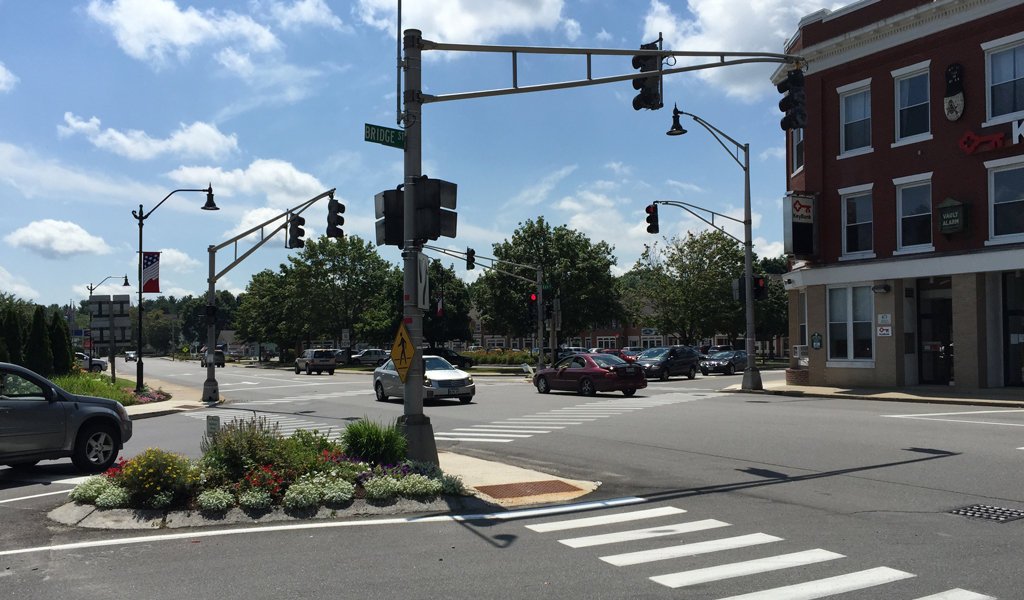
(993, 141)
(884, 331)
(885, 319)
(952, 216)
(800, 224)
(816, 341)
(648, 331)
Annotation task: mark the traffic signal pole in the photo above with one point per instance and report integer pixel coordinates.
(418, 431)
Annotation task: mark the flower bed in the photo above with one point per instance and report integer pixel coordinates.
(250, 465)
(99, 385)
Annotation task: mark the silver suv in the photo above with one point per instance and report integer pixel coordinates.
(40, 421)
(371, 356)
(316, 360)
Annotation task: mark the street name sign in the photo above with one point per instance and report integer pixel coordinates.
(402, 352)
(385, 136)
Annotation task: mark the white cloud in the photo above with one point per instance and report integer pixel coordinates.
(572, 29)
(177, 261)
(768, 250)
(465, 22)
(282, 183)
(731, 25)
(273, 82)
(305, 12)
(12, 284)
(197, 139)
(57, 239)
(33, 176)
(686, 187)
(603, 36)
(7, 79)
(252, 218)
(618, 168)
(152, 30)
(538, 193)
(777, 152)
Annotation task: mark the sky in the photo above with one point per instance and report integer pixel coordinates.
(106, 105)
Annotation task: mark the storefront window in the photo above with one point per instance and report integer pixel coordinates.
(850, 322)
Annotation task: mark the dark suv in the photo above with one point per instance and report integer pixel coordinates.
(218, 359)
(454, 358)
(660, 363)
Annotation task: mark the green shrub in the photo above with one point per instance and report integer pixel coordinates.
(424, 468)
(451, 485)
(155, 473)
(418, 485)
(240, 446)
(265, 478)
(255, 499)
(303, 451)
(337, 491)
(215, 500)
(380, 488)
(160, 500)
(91, 385)
(373, 442)
(114, 496)
(90, 489)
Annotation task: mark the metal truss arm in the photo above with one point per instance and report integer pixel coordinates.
(491, 267)
(690, 209)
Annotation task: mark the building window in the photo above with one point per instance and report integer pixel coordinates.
(914, 212)
(1006, 199)
(1006, 81)
(855, 109)
(850, 322)
(798, 149)
(912, 102)
(857, 223)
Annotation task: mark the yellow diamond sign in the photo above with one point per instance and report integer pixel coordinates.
(402, 352)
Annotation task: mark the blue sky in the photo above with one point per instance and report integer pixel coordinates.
(108, 104)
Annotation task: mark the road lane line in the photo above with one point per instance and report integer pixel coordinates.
(466, 439)
(605, 519)
(732, 543)
(956, 421)
(963, 412)
(747, 567)
(829, 586)
(957, 594)
(517, 427)
(503, 434)
(642, 534)
(35, 496)
(510, 425)
(470, 430)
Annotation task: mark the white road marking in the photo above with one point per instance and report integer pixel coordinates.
(505, 431)
(463, 439)
(732, 543)
(488, 435)
(35, 496)
(240, 383)
(545, 425)
(957, 594)
(544, 429)
(932, 416)
(829, 586)
(956, 421)
(500, 516)
(605, 519)
(748, 567)
(642, 534)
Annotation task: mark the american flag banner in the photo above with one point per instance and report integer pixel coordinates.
(151, 272)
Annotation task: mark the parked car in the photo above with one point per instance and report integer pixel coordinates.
(661, 363)
(587, 374)
(706, 351)
(574, 350)
(559, 353)
(316, 360)
(637, 350)
(456, 359)
(343, 356)
(94, 365)
(371, 356)
(475, 348)
(130, 356)
(43, 422)
(441, 380)
(624, 354)
(218, 359)
(724, 362)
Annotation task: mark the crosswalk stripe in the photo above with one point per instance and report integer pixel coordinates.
(545, 425)
(463, 439)
(829, 586)
(490, 435)
(957, 594)
(747, 567)
(642, 534)
(517, 428)
(605, 519)
(508, 431)
(732, 543)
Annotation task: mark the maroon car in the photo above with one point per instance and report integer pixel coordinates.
(625, 355)
(588, 374)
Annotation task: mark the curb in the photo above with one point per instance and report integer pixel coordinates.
(909, 400)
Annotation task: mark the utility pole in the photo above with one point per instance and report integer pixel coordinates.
(540, 319)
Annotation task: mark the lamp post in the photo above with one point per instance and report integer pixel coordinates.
(92, 349)
(751, 376)
(141, 216)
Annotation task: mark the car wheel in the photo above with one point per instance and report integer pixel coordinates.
(628, 393)
(465, 399)
(296, 368)
(95, 448)
(542, 385)
(309, 370)
(692, 374)
(704, 372)
(664, 374)
(330, 372)
(587, 387)
(96, 368)
(379, 390)
(729, 370)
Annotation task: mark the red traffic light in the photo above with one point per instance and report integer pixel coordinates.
(533, 297)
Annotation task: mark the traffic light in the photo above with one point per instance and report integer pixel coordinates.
(739, 289)
(295, 232)
(533, 308)
(760, 287)
(549, 311)
(470, 259)
(389, 209)
(794, 103)
(334, 219)
(435, 209)
(652, 218)
(650, 87)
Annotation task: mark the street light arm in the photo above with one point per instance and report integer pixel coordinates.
(91, 287)
(718, 135)
(146, 216)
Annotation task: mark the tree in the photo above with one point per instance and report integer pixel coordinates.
(261, 315)
(772, 314)
(38, 356)
(157, 329)
(379, 323)
(453, 324)
(13, 339)
(60, 345)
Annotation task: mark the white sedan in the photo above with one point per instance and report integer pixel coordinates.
(441, 380)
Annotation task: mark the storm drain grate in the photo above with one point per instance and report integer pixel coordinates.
(530, 488)
(990, 513)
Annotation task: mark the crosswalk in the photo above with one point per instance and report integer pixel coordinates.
(727, 571)
(550, 421)
(287, 425)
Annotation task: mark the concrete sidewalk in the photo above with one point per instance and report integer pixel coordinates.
(928, 394)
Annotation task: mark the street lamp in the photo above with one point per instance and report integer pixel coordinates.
(92, 346)
(141, 217)
(751, 376)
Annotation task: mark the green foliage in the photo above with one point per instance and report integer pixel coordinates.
(256, 499)
(374, 443)
(240, 446)
(85, 384)
(60, 345)
(155, 477)
(337, 491)
(89, 490)
(451, 485)
(501, 358)
(380, 488)
(454, 322)
(418, 485)
(114, 496)
(302, 452)
(38, 356)
(13, 338)
(215, 500)
(302, 494)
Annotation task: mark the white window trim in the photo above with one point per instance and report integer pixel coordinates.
(991, 47)
(923, 137)
(857, 190)
(857, 255)
(792, 149)
(994, 166)
(797, 172)
(899, 75)
(911, 69)
(847, 90)
(905, 182)
(850, 363)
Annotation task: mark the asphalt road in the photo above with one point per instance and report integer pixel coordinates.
(777, 492)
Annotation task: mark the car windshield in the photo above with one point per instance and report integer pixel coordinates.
(437, 364)
(722, 355)
(607, 360)
(655, 353)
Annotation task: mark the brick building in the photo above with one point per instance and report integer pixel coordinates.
(905, 216)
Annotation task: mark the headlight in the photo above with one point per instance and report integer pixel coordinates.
(124, 413)
(655, 367)
(469, 379)
(427, 382)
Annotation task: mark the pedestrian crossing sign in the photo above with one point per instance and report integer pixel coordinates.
(402, 352)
